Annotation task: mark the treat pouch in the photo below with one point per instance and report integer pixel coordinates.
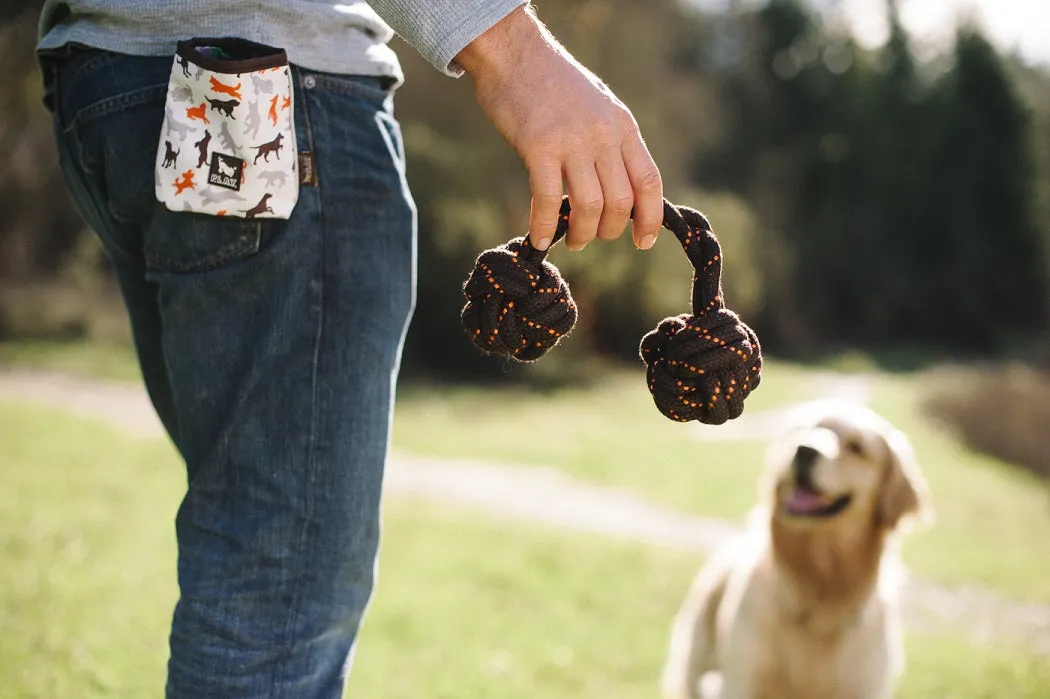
(227, 146)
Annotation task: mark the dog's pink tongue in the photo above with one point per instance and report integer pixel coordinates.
(802, 500)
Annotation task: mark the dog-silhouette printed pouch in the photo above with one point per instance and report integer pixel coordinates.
(227, 147)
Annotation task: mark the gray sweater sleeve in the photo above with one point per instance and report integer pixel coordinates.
(439, 29)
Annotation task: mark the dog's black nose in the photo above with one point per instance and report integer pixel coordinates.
(805, 460)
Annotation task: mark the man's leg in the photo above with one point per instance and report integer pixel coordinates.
(121, 238)
(283, 372)
(281, 340)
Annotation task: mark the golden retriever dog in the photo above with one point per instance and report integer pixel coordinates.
(804, 605)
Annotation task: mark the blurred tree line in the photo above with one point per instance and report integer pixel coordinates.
(865, 199)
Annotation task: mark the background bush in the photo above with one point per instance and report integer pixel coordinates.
(1000, 410)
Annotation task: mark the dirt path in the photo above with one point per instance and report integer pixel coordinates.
(545, 495)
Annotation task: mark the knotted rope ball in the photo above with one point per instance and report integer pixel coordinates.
(518, 305)
(699, 366)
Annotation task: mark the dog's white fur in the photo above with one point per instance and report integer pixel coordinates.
(804, 607)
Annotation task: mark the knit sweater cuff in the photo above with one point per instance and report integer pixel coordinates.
(440, 29)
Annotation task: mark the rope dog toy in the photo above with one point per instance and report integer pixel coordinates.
(699, 366)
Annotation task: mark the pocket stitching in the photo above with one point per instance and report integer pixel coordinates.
(246, 245)
(111, 104)
(396, 150)
(91, 63)
(350, 87)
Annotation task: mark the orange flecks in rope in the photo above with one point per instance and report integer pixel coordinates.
(678, 373)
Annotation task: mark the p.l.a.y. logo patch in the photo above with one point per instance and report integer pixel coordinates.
(226, 171)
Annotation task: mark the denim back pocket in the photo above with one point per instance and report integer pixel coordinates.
(184, 242)
(113, 115)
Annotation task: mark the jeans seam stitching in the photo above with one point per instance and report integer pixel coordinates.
(363, 92)
(307, 127)
(298, 593)
(77, 171)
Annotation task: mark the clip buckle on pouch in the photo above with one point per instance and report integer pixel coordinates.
(227, 147)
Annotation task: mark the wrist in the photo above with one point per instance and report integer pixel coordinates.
(501, 49)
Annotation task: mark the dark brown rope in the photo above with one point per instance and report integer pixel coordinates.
(699, 366)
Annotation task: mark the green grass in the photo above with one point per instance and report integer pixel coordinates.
(466, 608)
(610, 433)
(991, 517)
(114, 362)
(504, 611)
(87, 557)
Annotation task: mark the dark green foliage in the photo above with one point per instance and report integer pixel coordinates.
(905, 199)
(982, 232)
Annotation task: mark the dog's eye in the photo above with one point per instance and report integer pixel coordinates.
(854, 447)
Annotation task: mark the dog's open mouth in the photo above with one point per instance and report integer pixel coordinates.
(806, 502)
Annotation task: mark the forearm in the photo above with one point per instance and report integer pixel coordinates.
(568, 127)
(440, 29)
(505, 47)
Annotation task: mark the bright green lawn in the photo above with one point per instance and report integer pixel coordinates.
(611, 434)
(466, 608)
(542, 614)
(993, 520)
(86, 557)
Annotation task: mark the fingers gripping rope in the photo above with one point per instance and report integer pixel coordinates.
(699, 366)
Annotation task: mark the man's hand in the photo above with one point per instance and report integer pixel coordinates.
(567, 126)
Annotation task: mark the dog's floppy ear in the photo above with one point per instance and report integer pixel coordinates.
(904, 493)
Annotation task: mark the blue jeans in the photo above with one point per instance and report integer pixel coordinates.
(270, 350)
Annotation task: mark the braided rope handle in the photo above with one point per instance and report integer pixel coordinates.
(699, 366)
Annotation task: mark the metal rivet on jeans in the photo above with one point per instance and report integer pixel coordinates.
(309, 82)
